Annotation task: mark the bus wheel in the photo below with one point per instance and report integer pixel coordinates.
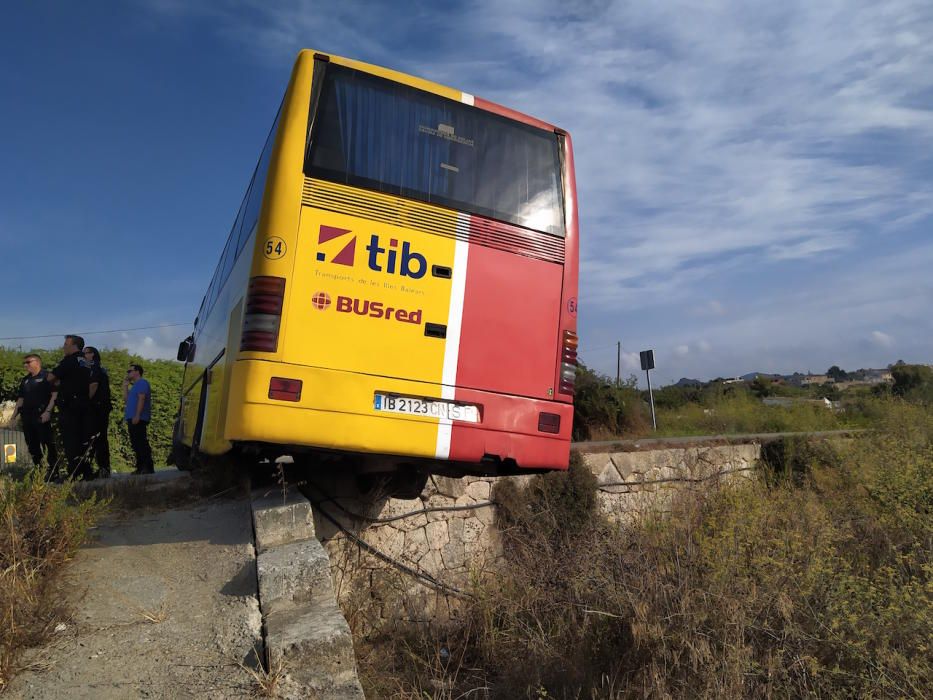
(180, 456)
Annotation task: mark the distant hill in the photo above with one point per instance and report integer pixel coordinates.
(750, 377)
(683, 381)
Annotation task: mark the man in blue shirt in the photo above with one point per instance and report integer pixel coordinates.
(138, 397)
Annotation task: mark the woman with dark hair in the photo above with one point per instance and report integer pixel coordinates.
(101, 405)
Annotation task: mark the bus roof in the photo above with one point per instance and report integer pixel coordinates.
(429, 86)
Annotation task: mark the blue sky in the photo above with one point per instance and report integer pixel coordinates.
(754, 178)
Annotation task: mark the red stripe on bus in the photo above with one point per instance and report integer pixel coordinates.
(510, 113)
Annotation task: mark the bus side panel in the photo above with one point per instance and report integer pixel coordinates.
(213, 440)
(191, 404)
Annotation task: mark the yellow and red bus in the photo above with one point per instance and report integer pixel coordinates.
(399, 285)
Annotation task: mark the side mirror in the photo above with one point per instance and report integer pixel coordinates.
(185, 349)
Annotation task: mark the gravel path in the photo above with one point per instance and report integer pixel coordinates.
(164, 606)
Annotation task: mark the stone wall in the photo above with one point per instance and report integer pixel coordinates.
(438, 542)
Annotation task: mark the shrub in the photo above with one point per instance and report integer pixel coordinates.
(603, 410)
(42, 527)
(820, 585)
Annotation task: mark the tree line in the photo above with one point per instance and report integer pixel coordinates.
(164, 376)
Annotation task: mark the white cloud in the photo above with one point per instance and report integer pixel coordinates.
(883, 339)
(710, 139)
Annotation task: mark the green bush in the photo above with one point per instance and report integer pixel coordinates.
(164, 376)
(603, 410)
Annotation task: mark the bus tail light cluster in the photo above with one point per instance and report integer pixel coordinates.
(548, 423)
(284, 389)
(568, 363)
(264, 300)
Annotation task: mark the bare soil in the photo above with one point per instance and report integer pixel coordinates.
(164, 605)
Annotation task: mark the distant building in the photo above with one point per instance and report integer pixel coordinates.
(816, 380)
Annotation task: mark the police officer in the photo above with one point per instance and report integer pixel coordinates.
(74, 416)
(101, 405)
(34, 403)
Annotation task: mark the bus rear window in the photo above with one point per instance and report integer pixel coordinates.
(378, 134)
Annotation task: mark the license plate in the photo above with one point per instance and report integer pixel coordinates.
(430, 408)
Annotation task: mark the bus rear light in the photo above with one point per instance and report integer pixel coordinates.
(548, 423)
(568, 363)
(283, 389)
(265, 295)
(264, 300)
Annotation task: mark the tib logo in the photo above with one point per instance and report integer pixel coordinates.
(390, 259)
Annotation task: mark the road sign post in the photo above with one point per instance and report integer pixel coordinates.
(647, 364)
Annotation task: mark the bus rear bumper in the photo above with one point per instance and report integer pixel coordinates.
(335, 411)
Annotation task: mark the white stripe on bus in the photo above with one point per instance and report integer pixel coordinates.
(454, 323)
(466, 98)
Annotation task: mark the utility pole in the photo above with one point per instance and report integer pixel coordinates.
(619, 364)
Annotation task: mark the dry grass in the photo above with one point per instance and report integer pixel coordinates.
(815, 584)
(42, 526)
(267, 679)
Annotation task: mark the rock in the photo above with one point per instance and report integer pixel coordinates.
(437, 534)
(478, 490)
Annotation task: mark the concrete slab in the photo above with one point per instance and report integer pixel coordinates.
(281, 517)
(314, 645)
(305, 632)
(292, 573)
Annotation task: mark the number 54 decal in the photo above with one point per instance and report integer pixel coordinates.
(274, 248)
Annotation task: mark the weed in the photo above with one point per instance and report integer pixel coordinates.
(267, 679)
(42, 526)
(817, 585)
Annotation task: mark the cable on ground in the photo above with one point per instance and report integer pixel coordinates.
(426, 578)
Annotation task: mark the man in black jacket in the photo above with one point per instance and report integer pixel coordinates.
(101, 405)
(34, 403)
(74, 415)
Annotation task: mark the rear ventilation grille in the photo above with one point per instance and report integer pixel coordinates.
(396, 211)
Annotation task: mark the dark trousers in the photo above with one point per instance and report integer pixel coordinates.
(39, 435)
(100, 419)
(75, 425)
(140, 442)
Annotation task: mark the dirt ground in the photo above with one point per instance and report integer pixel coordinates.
(164, 605)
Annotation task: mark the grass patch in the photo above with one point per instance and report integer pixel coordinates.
(814, 581)
(43, 525)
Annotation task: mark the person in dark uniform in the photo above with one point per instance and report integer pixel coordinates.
(34, 403)
(74, 415)
(101, 405)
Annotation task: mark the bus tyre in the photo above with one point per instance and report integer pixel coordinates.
(407, 485)
(180, 456)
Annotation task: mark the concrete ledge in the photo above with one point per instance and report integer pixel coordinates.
(314, 644)
(292, 573)
(281, 518)
(305, 631)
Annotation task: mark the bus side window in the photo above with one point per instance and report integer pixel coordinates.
(257, 186)
(227, 262)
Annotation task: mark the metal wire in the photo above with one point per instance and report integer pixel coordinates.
(404, 568)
